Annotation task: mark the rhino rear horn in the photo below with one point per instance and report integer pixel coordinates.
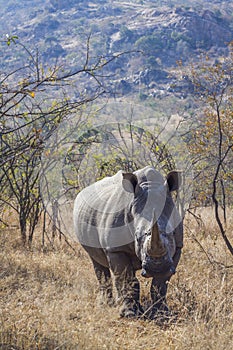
(156, 248)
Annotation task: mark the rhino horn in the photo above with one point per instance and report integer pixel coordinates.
(156, 247)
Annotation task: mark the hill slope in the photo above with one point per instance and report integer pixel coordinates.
(164, 31)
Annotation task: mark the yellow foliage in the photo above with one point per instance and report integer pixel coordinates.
(31, 93)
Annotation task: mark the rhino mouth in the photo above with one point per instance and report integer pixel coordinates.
(153, 267)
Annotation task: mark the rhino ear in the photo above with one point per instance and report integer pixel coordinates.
(174, 180)
(129, 182)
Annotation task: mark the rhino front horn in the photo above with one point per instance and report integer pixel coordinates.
(156, 246)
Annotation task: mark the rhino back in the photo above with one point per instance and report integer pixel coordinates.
(100, 214)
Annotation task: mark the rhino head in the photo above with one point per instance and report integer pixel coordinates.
(156, 255)
(155, 218)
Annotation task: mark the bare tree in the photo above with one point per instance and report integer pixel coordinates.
(34, 101)
(211, 137)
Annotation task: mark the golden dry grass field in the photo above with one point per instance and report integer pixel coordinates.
(48, 299)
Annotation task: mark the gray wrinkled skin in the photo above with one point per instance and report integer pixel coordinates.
(115, 222)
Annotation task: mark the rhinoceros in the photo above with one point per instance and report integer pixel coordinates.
(127, 222)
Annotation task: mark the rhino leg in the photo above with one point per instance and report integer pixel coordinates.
(127, 285)
(158, 296)
(105, 282)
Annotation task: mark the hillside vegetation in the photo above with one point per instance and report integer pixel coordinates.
(160, 34)
(48, 299)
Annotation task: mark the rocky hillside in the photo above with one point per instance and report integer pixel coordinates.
(163, 31)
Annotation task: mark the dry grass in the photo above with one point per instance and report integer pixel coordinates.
(48, 300)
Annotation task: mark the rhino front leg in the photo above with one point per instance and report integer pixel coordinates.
(105, 282)
(158, 296)
(127, 285)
